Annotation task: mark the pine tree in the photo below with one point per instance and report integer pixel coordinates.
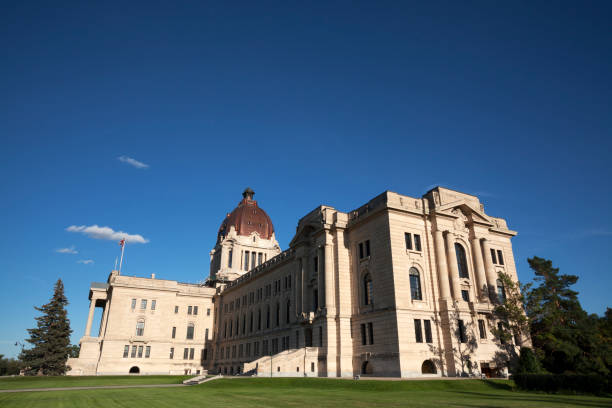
(51, 338)
(559, 325)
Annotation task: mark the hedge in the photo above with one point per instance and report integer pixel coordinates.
(590, 384)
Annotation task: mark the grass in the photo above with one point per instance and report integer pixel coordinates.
(14, 383)
(286, 392)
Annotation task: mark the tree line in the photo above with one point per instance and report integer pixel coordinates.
(555, 333)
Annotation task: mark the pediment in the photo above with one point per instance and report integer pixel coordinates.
(304, 233)
(473, 214)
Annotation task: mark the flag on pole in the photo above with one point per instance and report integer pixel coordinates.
(122, 245)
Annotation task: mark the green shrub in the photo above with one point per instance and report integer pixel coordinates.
(590, 384)
(528, 362)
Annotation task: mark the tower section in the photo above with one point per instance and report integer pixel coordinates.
(245, 240)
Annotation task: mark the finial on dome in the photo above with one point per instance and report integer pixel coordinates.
(248, 193)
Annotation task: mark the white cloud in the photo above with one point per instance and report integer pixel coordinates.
(85, 261)
(70, 250)
(133, 162)
(96, 232)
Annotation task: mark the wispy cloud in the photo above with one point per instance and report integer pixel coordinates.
(133, 162)
(70, 250)
(85, 261)
(595, 232)
(96, 232)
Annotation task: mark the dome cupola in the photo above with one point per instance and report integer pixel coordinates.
(247, 218)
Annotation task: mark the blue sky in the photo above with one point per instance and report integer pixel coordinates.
(307, 103)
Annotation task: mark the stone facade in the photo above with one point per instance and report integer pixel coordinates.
(399, 287)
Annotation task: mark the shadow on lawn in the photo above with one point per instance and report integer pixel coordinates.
(534, 398)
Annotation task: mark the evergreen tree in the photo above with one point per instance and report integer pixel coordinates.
(51, 338)
(564, 336)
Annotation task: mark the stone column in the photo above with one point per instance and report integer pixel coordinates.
(92, 308)
(442, 266)
(223, 257)
(490, 269)
(329, 274)
(104, 319)
(453, 268)
(481, 279)
(321, 276)
(297, 283)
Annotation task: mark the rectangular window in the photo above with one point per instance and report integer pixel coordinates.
(143, 304)
(174, 332)
(207, 312)
(189, 310)
(260, 258)
(417, 242)
(418, 333)
(175, 309)
(364, 340)
(465, 295)
(312, 367)
(140, 351)
(481, 329)
(321, 336)
(153, 304)
(428, 337)
(171, 353)
(190, 330)
(134, 348)
(315, 263)
(148, 352)
(367, 245)
(185, 353)
(195, 310)
(500, 257)
(361, 250)
(191, 353)
(371, 333)
(246, 260)
(408, 237)
(133, 303)
(230, 255)
(126, 351)
(316, 298)
(462, 336)
(206, 335)
(493, 257)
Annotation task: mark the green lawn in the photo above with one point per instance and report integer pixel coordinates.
(260, 392)
(13, 383)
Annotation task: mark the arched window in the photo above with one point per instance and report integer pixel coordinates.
(367, 289)
(415, 284)
(461, 261)
(501, 291)
(190, 329)
(140, 327)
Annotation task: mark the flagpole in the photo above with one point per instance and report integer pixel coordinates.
(121, 261)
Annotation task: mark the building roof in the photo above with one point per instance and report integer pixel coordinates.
(247, 218)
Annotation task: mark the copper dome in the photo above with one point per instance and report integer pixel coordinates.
(246, 218)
